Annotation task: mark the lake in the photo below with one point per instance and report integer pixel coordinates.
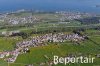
(51, 5)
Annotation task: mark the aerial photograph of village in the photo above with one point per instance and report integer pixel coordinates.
(49, 33)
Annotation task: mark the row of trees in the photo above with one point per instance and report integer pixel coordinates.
(27, 33)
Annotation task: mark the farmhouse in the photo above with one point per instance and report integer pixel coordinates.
(9, 33)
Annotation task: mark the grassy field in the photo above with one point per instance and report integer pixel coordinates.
(8, 43)
(50, 22)
(37, 54)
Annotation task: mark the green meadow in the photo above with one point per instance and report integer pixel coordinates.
(49, 23)
(8, 43)
(37, 54)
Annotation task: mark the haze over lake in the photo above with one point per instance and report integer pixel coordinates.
(51, 5)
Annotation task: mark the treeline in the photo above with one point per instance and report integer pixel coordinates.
(25, 34)
(89, 20)
(64, 29)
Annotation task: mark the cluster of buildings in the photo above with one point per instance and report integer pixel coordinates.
(40, 40)
(6, 55)
(18, 20)
(14, 20)
(23, 47)
(73, 15)
(9, 33)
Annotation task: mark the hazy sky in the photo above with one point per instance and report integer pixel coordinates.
(48, 4)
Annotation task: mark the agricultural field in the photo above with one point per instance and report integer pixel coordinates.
(7, 43)
(46, 23)
(37, 54)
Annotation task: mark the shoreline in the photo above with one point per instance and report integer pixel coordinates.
(45, 11)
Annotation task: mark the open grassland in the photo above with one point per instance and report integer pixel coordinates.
(37, 54)
(49, 23)
(8, 43)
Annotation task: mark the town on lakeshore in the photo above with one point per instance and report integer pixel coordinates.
(33, 38)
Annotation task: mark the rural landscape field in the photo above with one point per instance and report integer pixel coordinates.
(19, 29)
(49, 33)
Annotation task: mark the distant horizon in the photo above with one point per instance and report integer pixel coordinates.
(50, 5)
